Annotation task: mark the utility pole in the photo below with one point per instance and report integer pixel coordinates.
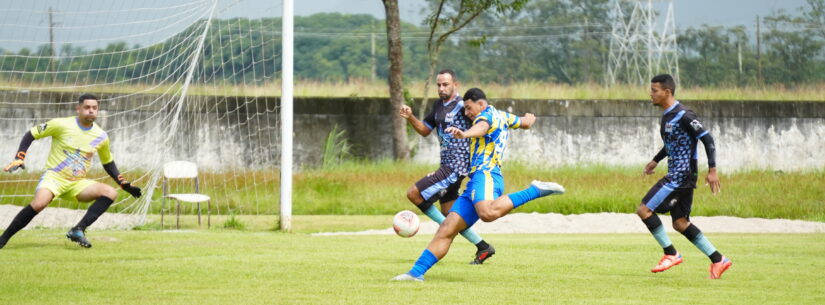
(758, 53)
(372, 51)
(53, 59)
(587, 51)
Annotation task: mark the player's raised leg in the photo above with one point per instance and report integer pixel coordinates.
(103, 196)
(42, 198)
(495, 209)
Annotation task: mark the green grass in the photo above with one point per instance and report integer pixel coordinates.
(231, 267)
(379, 188)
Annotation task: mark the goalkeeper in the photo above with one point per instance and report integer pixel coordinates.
(74, 143)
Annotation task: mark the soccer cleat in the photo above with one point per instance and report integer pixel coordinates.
(78, 236)
(483, 255)
(666, 262)
(406, 277)
(547, 188)
(716, 269)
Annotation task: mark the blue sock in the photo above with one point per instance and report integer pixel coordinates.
(703, 244)
(471, 235)
(521, 197)
(424, 263)
(654, 224)
(434, 214)
(661, 236)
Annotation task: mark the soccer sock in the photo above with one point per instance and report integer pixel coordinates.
(482, 245)
(95, 210)
(18, 223)
(521, 197)
(433, 213)
(472, 236)
(654, 224)
(424, 263)
(699, 240)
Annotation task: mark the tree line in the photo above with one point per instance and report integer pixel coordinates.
(561, 41)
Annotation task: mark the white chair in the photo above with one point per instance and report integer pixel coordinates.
(184, 170)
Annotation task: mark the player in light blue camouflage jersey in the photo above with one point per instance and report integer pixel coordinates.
(483, 196)
(443, 184)
(681, 133)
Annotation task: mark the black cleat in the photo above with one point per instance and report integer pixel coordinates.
(483, 255)
(78, 236)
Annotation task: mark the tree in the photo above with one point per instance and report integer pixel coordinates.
(815, 15)
(449, 17)
(401, 150)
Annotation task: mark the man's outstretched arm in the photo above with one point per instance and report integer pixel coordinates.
(127, 186)
(20, 157)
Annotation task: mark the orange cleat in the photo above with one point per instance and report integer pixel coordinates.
(666, 262)
(716, 269)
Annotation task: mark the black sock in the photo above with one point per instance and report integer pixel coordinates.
(670, 250)
(424, 206)
(482, 245)
(716, 257)
(20, 221)
(652, 222)
(691, 232)
(95, 210)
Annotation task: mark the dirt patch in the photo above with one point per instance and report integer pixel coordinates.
(614, 223)
(66, 218)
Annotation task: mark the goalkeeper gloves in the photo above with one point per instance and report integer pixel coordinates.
(128, 187)
(18, 163)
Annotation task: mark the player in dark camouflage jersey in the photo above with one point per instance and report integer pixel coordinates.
(681, 132)
(443, 184)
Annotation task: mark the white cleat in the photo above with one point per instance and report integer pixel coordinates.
(407, 278)
(547, 188)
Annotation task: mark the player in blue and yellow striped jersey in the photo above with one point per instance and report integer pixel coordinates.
(482, 199)
(75, 140)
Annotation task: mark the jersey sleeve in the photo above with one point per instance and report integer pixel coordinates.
(429, 120)
(47, 129)
(104, 152)
(690, 122)
(484, 116)
(513, 121)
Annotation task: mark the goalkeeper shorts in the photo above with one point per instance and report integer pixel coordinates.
(62, 187)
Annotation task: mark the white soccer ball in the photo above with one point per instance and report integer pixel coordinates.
(405, 223)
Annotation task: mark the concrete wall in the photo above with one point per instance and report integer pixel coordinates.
(228, 132)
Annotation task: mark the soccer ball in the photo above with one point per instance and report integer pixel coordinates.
(405, 223)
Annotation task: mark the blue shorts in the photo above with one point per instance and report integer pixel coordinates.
(482, 186)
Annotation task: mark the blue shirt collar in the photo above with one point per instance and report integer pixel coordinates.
(671, 107)
(77, 120)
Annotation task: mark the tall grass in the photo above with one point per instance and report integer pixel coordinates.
(515, 90)
(378, 188)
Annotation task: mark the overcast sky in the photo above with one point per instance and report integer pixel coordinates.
(68, 14)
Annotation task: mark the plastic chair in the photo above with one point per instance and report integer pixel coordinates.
(184, 170)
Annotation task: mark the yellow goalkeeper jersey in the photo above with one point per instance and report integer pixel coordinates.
(73, 146)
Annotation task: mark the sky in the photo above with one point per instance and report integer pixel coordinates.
(70, 16)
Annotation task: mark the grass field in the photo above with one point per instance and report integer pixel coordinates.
(230, 267)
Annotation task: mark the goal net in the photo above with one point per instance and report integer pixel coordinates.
(177, 80)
